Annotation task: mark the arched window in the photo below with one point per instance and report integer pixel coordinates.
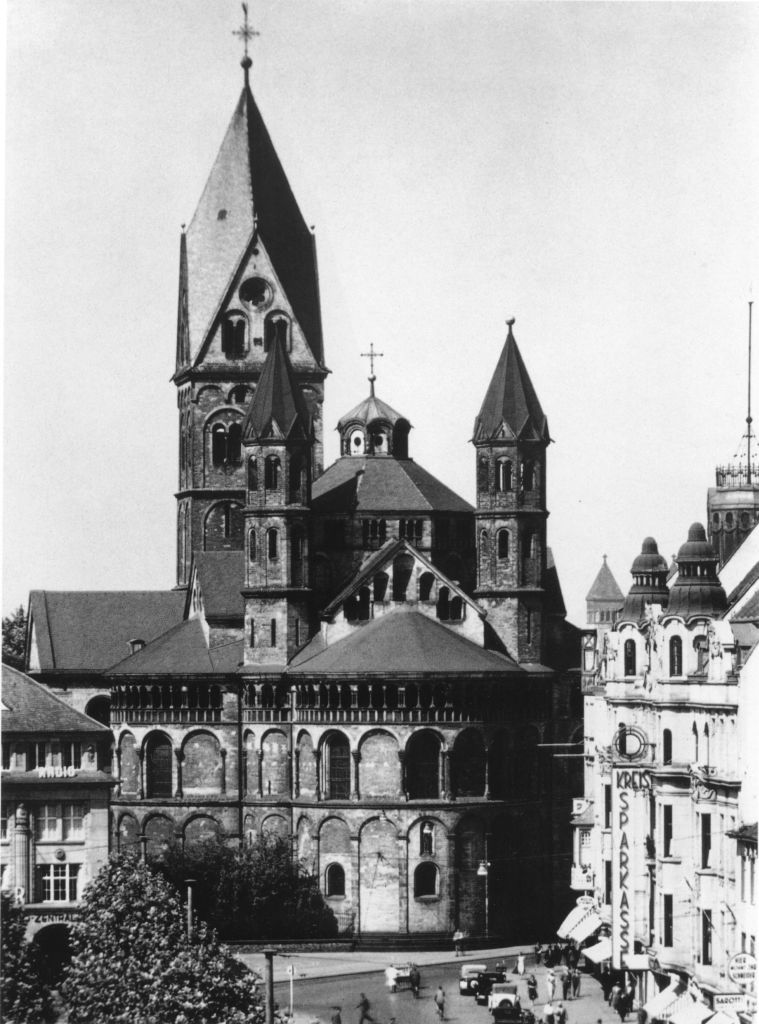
(701, 648)
(504, 475)
(425, 880)
(666, 746)
(695, 742)
(426, 583)
(218, 444)
(423, 766)
(233, 337)
(483, 473)
(426, 838)
(443, 603)
(528, 476)
(234, 444)
(675, 656)
(630, 660)
(403, 566)
(158, 758)
(272, 543)
(252, 473)
(503, 543)
(276, 326)
(273, 633)
(297, 479)
(252, 547)
(334, 880)
(729, 520)
(337, 768)
(238, 395)
(456, 609)
(271, 473)
(707, 744)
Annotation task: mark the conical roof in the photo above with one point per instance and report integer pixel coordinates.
(371, 409)
(278, 409)
(605, 587)
(511, 400)
(247, 195)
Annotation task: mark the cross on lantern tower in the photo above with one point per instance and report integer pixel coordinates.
(246, 33)
(371, 355)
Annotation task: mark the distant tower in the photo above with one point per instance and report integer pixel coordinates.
(277, 437)
(733, 505)
(511, 438)
(604, 600)
(247, 277)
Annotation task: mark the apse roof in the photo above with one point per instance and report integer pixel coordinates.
(86, 631)
(511, 400)
(248, 191)
(182, 650)
(381, 484)
(30, 707)
(400, 642)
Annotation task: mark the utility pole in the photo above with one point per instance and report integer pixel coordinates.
(269, 984)
(190, 883)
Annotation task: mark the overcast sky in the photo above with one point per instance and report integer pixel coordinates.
(590, 169)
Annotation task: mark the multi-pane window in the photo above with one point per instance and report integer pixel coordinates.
(411, 530)
(629, 657)
(57, 883)
(584, 847)
(60, 822)
(71, 754)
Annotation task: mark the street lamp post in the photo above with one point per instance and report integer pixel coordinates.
(483, 871)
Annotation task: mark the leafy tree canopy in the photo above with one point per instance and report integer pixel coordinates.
(132, 962)
(14, 638)
(24, 996)
(257, 892)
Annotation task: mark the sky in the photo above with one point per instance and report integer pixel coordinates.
(589, 169)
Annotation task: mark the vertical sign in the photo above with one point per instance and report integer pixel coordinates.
(627, 834)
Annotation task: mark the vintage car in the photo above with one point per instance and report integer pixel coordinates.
(504, 1005)
(467, 977)
(484, 982)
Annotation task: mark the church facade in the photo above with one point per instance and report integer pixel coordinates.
(354, 658)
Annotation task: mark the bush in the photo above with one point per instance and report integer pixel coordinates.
(25, 998)
(258, 892)
(132, 961)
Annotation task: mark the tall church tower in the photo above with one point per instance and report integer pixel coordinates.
(278, 440)
(247, 281)
(511, 439)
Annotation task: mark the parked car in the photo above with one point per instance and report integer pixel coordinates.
(484, 982)
(467, 975)
(504, 1005)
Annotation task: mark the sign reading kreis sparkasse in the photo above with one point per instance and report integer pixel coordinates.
(630, 789)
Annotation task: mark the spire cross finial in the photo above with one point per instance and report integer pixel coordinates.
(246, 33)
(511, 321)
(371, 355)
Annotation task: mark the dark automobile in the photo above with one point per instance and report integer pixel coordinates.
(484, 982)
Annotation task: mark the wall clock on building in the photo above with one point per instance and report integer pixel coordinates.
(630, 742)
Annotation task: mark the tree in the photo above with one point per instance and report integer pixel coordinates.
(132, 962)
(25, 998)
(257, 892)
(14, 638)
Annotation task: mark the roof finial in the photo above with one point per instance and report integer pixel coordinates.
(510, 322)
(246, 33)
(371, 355)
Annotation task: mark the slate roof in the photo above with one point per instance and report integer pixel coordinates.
(278, 408)
(222, 576)
(382, 484)
(182, 650)
(400, 642)
(87, 631)
(248, 182)
(605, 587)
(746, 833)
(372, 408)
(749, 612)
(30, 707)
(511, 400)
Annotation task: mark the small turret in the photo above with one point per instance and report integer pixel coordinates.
(697, 589)
(649, 573)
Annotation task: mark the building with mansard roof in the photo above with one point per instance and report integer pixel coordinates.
(354, 658)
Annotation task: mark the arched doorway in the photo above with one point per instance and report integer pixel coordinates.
(55, 952)
(99, 708)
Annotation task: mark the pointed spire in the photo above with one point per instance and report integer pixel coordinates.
(278, 409)
(605, 587)
(511, 399)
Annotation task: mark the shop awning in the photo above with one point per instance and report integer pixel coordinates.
(693, 1013)
(721, 1017)
(585, 927)
(574, 915)
(600, 952)
(662, 1005)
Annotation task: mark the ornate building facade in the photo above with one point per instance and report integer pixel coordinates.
(354, 658)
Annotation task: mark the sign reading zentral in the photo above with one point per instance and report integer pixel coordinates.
(629, 787)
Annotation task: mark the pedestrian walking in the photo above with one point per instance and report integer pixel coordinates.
(641, 1013)
(566, 983)
(551, 985)
(414, 979)
(576, 978)
(440, 1002)
(458, 939)
(520, 964)
(336, 1017)
(616, 992)
(548, 1015)
(538, 952)
(363, 1005)
(532, 989)
(391, 978)
(560, 1017)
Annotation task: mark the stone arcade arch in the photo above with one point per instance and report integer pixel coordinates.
(379, 873)
(423, 766)
(380, 774)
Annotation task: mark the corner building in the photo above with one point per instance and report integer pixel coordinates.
(362, 662)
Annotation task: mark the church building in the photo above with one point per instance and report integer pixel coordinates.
(353, 657)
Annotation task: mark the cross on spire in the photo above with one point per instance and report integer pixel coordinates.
(246, 33)
(371, 355)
